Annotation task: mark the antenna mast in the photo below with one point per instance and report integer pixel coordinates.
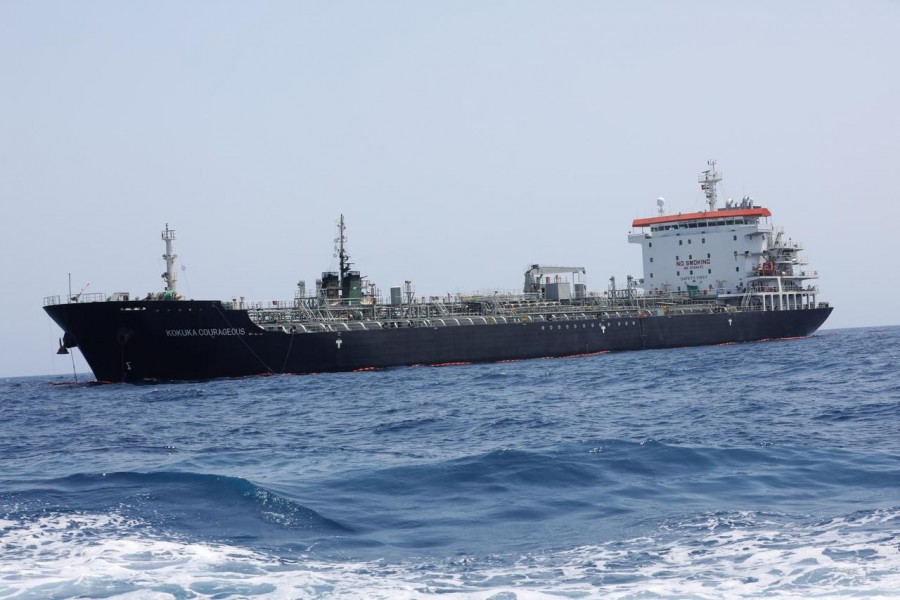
(168, 236)
(708, 180)
(342, 251)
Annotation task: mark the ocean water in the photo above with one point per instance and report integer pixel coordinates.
(768, 469)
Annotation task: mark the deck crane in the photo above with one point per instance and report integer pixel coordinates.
(534, 274)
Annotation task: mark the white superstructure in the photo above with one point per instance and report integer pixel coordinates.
(733, 254)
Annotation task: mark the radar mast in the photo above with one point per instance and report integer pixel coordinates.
(708, 180)
(168, 236)
(343, 257)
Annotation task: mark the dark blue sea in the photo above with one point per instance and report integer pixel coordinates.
(767, 469)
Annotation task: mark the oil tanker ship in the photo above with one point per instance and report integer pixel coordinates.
(722, 275)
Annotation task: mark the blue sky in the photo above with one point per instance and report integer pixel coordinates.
(463, 141)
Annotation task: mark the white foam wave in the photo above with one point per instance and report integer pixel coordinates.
(741, 556)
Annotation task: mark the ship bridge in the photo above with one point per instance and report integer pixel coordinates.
(721, 217)
(728, 253)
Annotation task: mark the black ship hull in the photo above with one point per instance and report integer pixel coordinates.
(135, 341)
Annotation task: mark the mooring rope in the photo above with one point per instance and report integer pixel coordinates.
(286, 356)
(243, 341)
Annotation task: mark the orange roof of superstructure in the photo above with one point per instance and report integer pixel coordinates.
(712, 214)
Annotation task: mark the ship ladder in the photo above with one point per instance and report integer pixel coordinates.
(642, 316)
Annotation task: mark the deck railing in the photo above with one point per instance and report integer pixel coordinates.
(79, 298)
